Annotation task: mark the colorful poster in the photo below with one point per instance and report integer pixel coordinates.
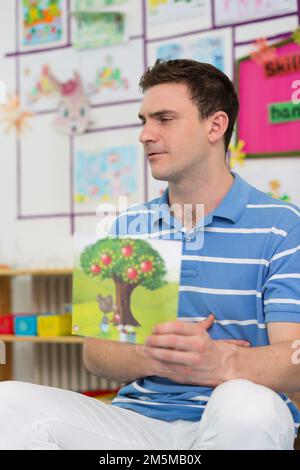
(239, 11)
(99, 29)
(123, 287)
(103, 176)
(269, 121)
(278, 177)
(43, 23)
(212, 47)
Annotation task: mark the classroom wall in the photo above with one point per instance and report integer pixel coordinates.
(38, 210)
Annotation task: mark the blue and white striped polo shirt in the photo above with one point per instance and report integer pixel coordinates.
(247, 273)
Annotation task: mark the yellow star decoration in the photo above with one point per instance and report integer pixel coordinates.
(236, 156)
(296, 36)
(13, 116)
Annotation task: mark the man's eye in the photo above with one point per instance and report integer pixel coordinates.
(164, 119)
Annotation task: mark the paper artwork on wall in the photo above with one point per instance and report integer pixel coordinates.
(213, 47)
(103, 175)
(42, 23)
(239, 11)
(278, 177)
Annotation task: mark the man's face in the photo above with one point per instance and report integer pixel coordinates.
(175, 139)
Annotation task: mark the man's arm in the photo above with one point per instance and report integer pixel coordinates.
(276, 366)
(112, 360)
(123, 362)
(187, 354)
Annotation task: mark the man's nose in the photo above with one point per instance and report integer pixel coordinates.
(148, 134)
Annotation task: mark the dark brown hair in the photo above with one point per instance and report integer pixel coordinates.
(210, 89)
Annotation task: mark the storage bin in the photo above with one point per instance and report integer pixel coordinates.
(25, 325)
(6, 324)
(54, 325)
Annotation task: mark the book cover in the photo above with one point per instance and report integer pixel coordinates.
(122, 287)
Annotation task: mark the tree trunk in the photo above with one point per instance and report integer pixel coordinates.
(123, 295)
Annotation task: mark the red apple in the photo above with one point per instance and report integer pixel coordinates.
(106, 259)
(127, 250)
(132, 273)
(146, 266)
(95, 268)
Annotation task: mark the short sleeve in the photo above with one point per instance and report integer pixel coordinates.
(281, 291)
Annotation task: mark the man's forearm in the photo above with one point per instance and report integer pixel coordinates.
(112, 360)
(276, 366)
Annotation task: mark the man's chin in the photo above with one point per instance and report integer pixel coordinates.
(160, 176)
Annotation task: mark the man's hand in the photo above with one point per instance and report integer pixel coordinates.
(184, 353)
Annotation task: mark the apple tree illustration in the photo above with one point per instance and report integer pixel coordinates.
(129, 263)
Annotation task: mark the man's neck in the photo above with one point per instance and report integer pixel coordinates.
(198, 196)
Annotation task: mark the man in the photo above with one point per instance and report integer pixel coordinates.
(215, 378)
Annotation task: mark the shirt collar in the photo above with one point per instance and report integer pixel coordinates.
(231, 207)
(233, 204)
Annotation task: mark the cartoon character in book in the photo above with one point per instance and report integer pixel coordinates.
(107, 306)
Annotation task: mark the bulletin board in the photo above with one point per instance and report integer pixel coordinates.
(269, 121)
(58, 181)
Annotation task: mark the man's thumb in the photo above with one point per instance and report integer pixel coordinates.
(208, 322)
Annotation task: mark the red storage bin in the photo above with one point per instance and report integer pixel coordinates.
(6, 324)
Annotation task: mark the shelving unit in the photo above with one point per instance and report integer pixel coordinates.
(6, 279)
(57, 361)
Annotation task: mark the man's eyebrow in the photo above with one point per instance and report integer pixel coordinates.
(160, 113)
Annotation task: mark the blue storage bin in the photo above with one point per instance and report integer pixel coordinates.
(25, 325)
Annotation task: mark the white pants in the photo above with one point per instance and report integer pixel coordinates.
(239, 415)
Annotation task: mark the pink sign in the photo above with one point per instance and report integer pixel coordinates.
(256, 93)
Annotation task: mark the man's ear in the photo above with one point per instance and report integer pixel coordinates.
(218, 124)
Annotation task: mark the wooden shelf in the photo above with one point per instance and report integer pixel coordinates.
(36, 272)
(41, 339)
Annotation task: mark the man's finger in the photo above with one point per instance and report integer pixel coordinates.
(181, 327)
(208, 322)
(237, 342)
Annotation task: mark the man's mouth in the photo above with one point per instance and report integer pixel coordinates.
(155, 154)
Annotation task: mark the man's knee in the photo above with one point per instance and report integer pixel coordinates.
(9, 390)
(242, 402)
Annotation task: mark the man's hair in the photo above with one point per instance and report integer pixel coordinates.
(210, 89)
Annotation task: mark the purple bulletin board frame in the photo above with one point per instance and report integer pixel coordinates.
(256, 92)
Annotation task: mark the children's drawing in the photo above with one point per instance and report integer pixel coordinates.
(99, 29)
(275, 192)
(210, 50)
(96, 5)
(278, 177)
(165, 11)
(42, 88)
(107, 174)
(42, 22)
(126, 272)
(108, 77)
(211, 47)
(238, 11)
(73, 109)
(14, 116)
